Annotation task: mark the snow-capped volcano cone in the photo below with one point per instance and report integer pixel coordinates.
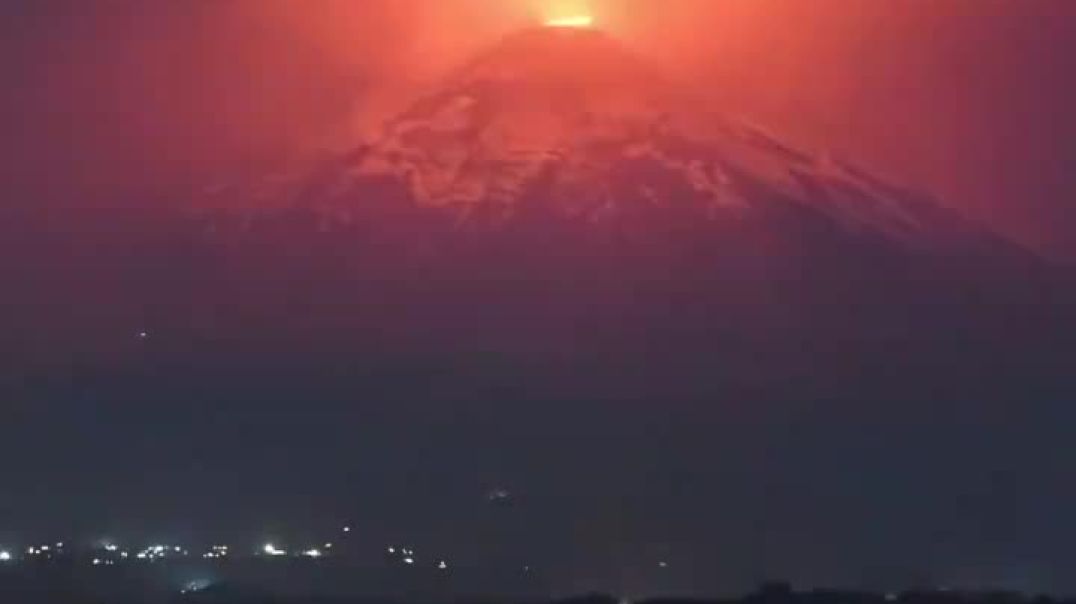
(569, 101)
(573, 119)
(557, 192)
(557, 199)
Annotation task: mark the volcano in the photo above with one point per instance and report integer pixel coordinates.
(559, 194)
(557, 202)
(571, 120)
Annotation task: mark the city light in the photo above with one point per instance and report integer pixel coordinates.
(154, 552)
(106, 553)
(217, 551)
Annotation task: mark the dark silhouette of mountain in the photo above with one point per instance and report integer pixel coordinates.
(555, 201)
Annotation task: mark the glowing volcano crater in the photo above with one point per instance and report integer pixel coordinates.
(572, 21)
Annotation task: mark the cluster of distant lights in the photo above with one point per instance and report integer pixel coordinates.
(275, 552)
(154, 552)
(109, 554)
(217, 551)
(35, 551)
(407, 556)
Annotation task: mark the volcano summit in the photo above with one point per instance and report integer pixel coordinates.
(573, 121)
(558, 198)
(557, 192)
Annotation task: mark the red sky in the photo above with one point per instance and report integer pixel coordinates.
(970, 98)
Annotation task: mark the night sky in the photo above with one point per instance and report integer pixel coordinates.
(156, 387)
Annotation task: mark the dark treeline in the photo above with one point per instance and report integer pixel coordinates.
(770, 593)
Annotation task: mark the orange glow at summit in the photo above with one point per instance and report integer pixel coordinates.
(577, 21)
(569, 14)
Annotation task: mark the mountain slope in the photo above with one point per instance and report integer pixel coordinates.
(575, 120)
(556, 200)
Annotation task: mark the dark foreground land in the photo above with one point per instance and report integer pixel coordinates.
(254, 584)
